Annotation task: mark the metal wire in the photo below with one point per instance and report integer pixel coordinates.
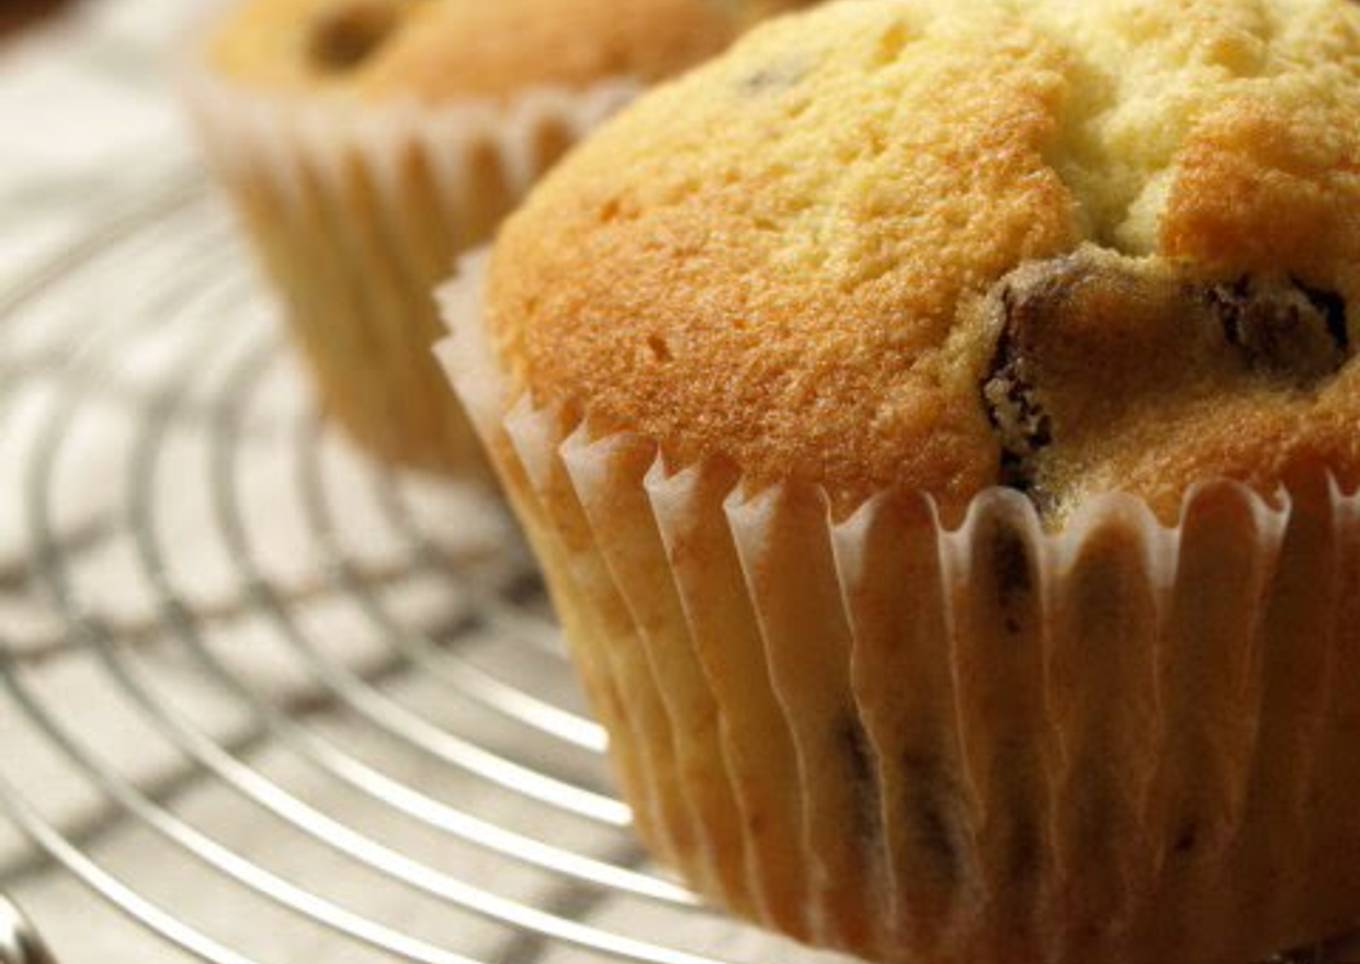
(19, 943)
(499, 597)
(544, 758)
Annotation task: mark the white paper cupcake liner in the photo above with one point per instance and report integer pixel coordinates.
(980, 741)
(359, 210)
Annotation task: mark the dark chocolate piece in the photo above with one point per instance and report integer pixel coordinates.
(1092, 332)
(1010, 562)
(863, 777)
(343, 37)
(1187, 842)
(936, 802)
(1313, 956)
(1013, 407)
(1025, 849)
(1283, 328)
(1028, 300)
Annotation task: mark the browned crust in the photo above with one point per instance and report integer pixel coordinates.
(1272, 185)
(659, 300)
(785, 260)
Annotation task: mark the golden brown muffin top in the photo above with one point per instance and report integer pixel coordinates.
(1069, 245)
(434, 50)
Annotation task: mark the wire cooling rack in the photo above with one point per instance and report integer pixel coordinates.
(261, 697)
(265, 699)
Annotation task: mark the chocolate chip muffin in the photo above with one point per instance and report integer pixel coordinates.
(877, 231)
(938, 423)
(367, 142)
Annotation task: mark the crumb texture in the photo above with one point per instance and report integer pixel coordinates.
(797, 256)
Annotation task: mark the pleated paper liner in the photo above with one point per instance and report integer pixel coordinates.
(359, 210)
(984, 741)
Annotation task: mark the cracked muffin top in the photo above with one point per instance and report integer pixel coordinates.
(1072, 246)
(432, 50)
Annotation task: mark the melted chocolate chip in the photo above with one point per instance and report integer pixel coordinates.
(1015, 412)
(345, 36)
(859, 762)
(1009, 393)
(1313, 956)
(1024, 849)
(935, 803)
(1333, 309)
(1283, 329)
(1187, 841)
(1091, 332)
(1010, 563)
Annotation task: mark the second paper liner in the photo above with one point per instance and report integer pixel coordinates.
(357, 210)
(1119, 742)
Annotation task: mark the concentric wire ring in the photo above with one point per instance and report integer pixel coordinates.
(187, 310)
(19, 943)
(185, 292)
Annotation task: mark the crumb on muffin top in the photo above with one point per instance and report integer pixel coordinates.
(1067, 245)
(432, 50)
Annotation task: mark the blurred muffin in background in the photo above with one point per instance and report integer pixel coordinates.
(15, 14)
(367, 142)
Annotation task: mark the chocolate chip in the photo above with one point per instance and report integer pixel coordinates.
(344, 36)
(1010, 563)
(1024, 849)
(1312, 956)
(1333, 308)
(1010, 394)
(1015, 412)
(863, 778)
(935, 803)
(1187, 840)
(1084, 338)
(1283, 328)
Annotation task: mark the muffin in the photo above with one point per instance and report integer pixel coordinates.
(367, 142)
(937, 420)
